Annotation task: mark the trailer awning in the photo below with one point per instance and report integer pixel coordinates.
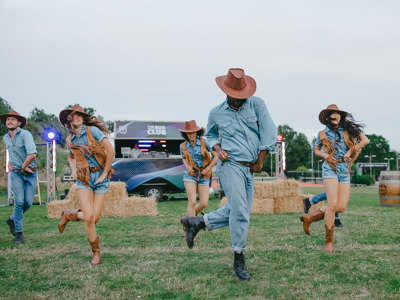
(126, 130)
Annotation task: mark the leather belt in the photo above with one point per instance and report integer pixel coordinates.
(246, 163)
(23, 171)
(95, 169)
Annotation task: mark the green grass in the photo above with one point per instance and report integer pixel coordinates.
(148, 257)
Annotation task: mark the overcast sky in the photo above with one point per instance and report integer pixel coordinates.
(157, 60)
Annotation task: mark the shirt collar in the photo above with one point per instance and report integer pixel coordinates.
(197, 142)
(226, 105)
(18, 130)
(83, 131)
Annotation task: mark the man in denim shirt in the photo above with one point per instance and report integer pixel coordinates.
(242, 132)
(22, 166)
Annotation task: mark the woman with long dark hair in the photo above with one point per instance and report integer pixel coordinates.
(341, 141)
(198, 163)
(90, 156)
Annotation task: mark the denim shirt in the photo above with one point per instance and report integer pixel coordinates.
(339, 147)
(20, 147)
(82, 139)
(195, 151)
(244, 133)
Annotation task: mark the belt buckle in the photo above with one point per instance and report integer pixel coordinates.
(340, 159)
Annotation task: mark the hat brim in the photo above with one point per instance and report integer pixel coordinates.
(324, 113)
(3, 119)
(245, 93)
(188, 131)
(64, 115)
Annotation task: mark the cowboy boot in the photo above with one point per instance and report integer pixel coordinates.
(329, 239)
(193, 226)
(311, 217)
(66, 216)
(96, 252)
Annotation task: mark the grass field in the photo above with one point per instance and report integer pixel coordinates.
(147, 257)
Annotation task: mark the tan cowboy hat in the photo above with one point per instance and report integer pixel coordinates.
(237, 85)
(13, 113)
(65, 113)
(190, 126)
(327, 111)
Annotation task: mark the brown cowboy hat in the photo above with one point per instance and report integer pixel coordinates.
(13, 113)
(237, 85)
(65, 113)
(190, 126)
(329, 110)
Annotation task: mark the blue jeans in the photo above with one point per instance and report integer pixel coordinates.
(321, 197)
(238, 184)
(24, 188)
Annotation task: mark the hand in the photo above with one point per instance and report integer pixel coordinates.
(256, 167)
(28, 170)
(206, 172)
(347, 156)
(330, 159)
(73, 174)
(10, 167)
(189, 169)
(101, 178)
(223, 155)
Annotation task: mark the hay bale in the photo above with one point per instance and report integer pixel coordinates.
(277, 196)
(315, 206)
(263, 206)
(260, 205)
(116, 203)
(138, 206)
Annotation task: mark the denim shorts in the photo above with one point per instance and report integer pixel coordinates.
(200, 181)
(342, 174)
(100, 188)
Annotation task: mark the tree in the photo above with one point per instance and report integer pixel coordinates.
(298, 150)
(379, 147)
(4, 108)
(39, 123)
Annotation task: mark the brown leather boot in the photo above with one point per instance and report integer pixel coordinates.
(329, 239)
(96, 252)
(66, 216)
(311, 217)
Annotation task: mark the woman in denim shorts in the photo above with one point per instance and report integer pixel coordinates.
(198, 163)
(339, 144)
(90, 156)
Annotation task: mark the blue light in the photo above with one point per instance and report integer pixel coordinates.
(51, 135)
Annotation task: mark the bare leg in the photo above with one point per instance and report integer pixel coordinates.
(204, 195)
(332, 193)
(344, 196)
(192, 196)
(98, 206)
(87, 203)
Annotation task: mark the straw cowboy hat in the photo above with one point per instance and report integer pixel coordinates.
(13, 113)
(329, 110)
(64, 113)
(190, 126)
(237, 85)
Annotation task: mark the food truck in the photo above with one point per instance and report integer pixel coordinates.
(147, 157)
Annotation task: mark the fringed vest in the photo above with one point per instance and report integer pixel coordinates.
(329, 148)
(80, 151)
(206, 159)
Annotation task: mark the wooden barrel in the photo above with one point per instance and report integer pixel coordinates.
(389, 188)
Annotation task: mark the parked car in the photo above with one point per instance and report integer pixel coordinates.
(150, 176)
